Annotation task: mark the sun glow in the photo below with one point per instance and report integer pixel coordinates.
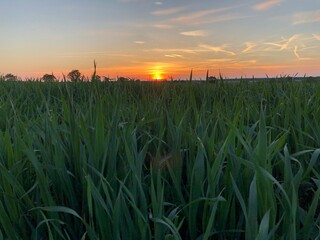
(157, 73)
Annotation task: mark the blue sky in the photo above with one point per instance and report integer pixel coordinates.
(159, 39)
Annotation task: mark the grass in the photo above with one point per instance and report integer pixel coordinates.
(139, 160)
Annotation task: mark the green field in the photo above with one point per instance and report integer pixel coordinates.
(141, 160)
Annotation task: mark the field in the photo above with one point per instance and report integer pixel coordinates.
(171, 160)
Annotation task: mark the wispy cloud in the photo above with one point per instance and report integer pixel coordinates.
(91, 54)
(217, 49)
(295, 51)
(249, 47)
(284, 43)
(163, 26)
(197, 33)
(169, 11)
(306, 17)
(173, 55)
(158, 3)
(316, 37)
(191, 17)
(139, 42)
(266, 5)
(168, 50)
(221, 60)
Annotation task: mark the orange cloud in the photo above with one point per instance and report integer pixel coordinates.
(173, 55)
(266, 5)
(197, 33)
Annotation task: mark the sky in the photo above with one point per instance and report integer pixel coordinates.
(160, 39)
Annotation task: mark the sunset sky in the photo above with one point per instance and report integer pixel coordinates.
(158, 39)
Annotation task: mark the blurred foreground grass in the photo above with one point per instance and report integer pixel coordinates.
(141, 160)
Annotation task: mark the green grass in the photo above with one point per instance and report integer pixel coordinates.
(141, 160)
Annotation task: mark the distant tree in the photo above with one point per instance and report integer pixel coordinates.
(122, 79)
(212, 79)
(106, 79)
(49, 78)
(10, 77)
(74, 76)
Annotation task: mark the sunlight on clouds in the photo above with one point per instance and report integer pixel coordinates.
(306, 17)
(221, 60)
(197, 33)
(184, 50)
(173, 55)
(284, 43)
(295, 51)
(217, 49)
(266, 5)
(163, 26)
(249, 47)
(169, 11)
(140, 38)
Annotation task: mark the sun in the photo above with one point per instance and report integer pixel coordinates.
(157, 73)
(157, 76)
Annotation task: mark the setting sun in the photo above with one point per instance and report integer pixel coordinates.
(157, 73)
(157, 76)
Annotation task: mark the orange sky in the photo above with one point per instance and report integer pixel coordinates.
(148, 39)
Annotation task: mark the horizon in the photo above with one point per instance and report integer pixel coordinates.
(148, 40)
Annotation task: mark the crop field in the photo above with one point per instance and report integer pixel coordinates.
(170, 160)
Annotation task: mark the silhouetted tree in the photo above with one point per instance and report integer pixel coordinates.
(74, 76)
(122, 79)
(10, 77)
(212, 79)
(49, 78)
(106, 79)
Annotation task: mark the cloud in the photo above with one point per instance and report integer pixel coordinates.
(295, 51)
(163, 26)
(284, 43)
(217, 49)
(184, 50)
(207, 16)
(306, 17)
(191, 17)
(158, 3)
(266, 5)
(173, 55)
(249, 47)
(139, 42)
(221, 60)
(197, 33)
(316, 37)
(169, 11)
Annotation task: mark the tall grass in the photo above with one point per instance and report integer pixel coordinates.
(159, 161)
